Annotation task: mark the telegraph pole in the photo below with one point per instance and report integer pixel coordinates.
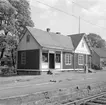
(79, 25)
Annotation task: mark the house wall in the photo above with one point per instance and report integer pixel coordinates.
(86, 61)
(32, 59)
(32, 44)
(89, 61)
(83, 49)
(95, 59)
(76, 65)
(70, 67)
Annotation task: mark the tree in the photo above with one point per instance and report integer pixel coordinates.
(8, 43)
(12, 46)
(22, 15)
(2, 45)
(96, 40)
(14, 17)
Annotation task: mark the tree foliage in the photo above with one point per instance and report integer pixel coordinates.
(14, 17)
(96, 41)
(8, 44)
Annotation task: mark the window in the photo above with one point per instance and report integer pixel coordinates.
(58, 58)
(82, 44)
(68, 59)
(23, 58)
(45, 57)
(28, 38)
(80, 59)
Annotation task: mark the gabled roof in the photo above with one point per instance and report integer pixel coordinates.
(100, 51)
(76, 38)
(51, 40)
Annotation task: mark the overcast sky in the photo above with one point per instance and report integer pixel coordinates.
(46, 17)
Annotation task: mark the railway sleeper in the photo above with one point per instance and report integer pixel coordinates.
(91, 103)
(99, 101)
(102, 98)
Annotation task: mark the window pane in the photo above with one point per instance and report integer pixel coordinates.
(68, 59)
(45, 57)
(28, 38)
(58, 58)
(80, 59)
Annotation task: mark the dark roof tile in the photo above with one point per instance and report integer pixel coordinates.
(76, 38)
(100, 51)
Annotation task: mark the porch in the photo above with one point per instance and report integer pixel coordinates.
(50, 60)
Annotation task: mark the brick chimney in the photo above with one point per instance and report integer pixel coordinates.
(58, 33)
(48, 29)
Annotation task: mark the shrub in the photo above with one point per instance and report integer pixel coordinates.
(95, 66)
(8, 71)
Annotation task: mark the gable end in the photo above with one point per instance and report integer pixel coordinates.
(32, 44)
(82, 47)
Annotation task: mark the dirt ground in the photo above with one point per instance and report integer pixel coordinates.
(21, 85)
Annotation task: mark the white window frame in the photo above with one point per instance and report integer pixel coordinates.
(68, 59)
(79, 59)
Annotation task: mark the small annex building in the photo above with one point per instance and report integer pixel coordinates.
(40, 51)
(99, 57)
(82, 51)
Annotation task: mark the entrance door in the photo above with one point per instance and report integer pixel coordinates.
(51, 61)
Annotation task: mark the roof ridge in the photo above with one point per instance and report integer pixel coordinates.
(45, 38)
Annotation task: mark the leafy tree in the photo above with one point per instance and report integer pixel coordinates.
(14, 17)
(12, 46)
(22, 15)
(96, 40)
(8, 43)
(2, 45)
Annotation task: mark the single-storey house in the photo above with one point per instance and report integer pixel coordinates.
(40, 51)
(99, 57)
(82, 51)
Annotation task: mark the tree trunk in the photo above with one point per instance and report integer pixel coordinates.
(2, 53)
(12, 56)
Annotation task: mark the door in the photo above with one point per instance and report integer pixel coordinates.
(51, 61)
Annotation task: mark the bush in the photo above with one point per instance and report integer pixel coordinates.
(96, 67)
(8, 71)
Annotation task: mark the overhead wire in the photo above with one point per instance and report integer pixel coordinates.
(88, 11)
(70, 14)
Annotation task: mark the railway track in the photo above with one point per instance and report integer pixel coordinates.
(99, 99)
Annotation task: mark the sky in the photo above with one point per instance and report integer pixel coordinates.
(92, 11)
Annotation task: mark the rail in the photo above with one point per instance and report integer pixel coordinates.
(84, 100)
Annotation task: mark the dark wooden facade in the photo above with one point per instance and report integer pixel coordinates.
(86, 61)
(32, 59)
(67, 66)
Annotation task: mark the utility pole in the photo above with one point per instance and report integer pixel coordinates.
(79, 25)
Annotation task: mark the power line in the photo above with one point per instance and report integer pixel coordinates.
(72, 15)
(56, 8)
(81, 6)
(77, 4)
